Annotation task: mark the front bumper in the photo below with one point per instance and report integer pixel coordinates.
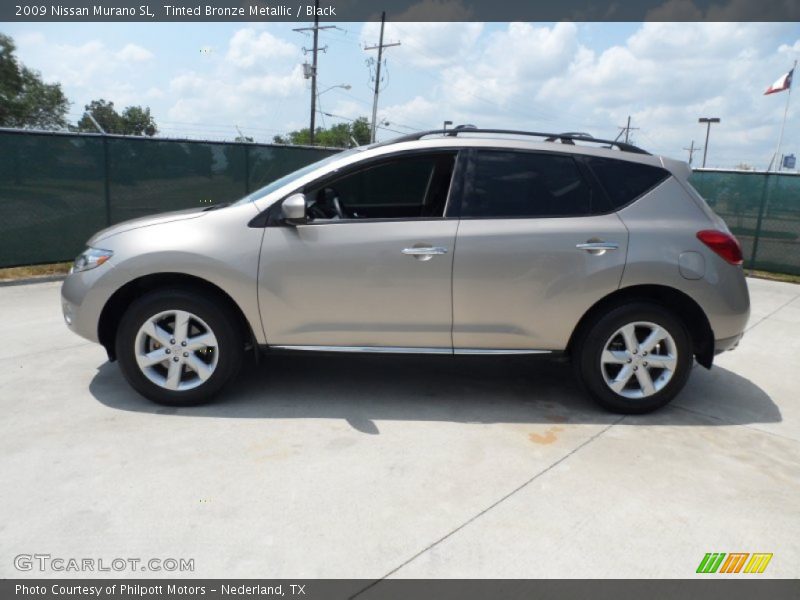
(83, 297)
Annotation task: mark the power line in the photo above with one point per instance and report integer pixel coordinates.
(327, 114)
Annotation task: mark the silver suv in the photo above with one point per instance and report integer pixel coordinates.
(465, 242)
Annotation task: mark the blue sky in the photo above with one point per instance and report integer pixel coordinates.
(203, 80)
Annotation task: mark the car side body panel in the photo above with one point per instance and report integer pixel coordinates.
(663, 228)
(216, 247)
(524, 283)
(350, 284)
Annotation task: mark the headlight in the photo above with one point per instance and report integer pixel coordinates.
(90, 258)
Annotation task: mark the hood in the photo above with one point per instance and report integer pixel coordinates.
(178, 215)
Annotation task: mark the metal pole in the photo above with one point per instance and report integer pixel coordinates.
(314, 74)
(106, 183)
(705, 148)
(627, 129)
(246, 169)
(757, 232)
(377, 80)
(708, 121)
(783, 124)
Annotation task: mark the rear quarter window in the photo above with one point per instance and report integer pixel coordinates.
(625, 181)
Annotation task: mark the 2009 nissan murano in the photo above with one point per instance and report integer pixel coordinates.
(471, 241)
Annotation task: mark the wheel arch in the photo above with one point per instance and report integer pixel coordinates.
(682, 305)
(120, 300)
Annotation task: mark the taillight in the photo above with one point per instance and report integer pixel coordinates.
(724, 244)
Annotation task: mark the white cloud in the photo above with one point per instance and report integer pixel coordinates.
(81, 64)
(665, 76)
(248, 49)
(134, 53)
(425, 45)
(258, 73)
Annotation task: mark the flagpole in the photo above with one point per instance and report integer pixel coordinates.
(776, 156)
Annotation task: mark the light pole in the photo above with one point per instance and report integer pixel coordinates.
(446, 123)
(344, 86)
(708, 121)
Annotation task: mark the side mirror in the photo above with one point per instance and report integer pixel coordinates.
(293, 209)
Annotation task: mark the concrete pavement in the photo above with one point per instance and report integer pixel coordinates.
(369, 467)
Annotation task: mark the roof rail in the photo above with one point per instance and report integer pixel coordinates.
(564, 138)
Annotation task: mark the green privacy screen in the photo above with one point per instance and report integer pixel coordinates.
(56, 190)
(762, 210)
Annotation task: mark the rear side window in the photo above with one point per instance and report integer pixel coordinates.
(524, 184)
(625, 181)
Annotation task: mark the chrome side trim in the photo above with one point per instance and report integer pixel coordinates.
(412, 350)
(497, 351)
(371, 349)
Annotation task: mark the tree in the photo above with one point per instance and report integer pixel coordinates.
(104, 113)
(138, 121)
(340, 135)
(26, 100)
(134, 120)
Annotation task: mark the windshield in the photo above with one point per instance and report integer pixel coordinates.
(287, 179)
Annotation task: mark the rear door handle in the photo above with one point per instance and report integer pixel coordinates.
(424, 253)
(597, 247)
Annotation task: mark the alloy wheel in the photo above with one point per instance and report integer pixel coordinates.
(176, 350)
(639, 360)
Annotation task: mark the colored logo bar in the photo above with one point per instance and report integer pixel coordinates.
(734, 562)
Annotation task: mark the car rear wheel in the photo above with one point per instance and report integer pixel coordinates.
(178, 348)
(635, 358)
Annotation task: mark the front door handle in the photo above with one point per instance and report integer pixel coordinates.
(424, 252)
(597, 248)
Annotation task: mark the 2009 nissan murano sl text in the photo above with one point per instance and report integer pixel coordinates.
(472, 241)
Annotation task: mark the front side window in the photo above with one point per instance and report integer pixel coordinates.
(524, 184)
(398, 188)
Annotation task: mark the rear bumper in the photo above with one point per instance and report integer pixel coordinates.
(728, 343)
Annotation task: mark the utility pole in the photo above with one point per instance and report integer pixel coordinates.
(312, 73)
(708, 121)
(627, 129)
(380, 48)
(692, 150)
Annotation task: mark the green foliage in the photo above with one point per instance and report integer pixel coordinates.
(340, 135)
(134, 120)
(26, 100)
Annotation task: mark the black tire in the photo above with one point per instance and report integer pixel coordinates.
(590, 346)
(223, 323)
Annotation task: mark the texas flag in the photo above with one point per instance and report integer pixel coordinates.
(784, 83)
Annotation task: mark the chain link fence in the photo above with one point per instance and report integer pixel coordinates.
(57, 189)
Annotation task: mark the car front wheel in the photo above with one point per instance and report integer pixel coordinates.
(635, 358)
(178, 347)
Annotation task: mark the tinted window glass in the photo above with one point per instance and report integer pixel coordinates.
(625, 181)
(524, 184)
(409, 187)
